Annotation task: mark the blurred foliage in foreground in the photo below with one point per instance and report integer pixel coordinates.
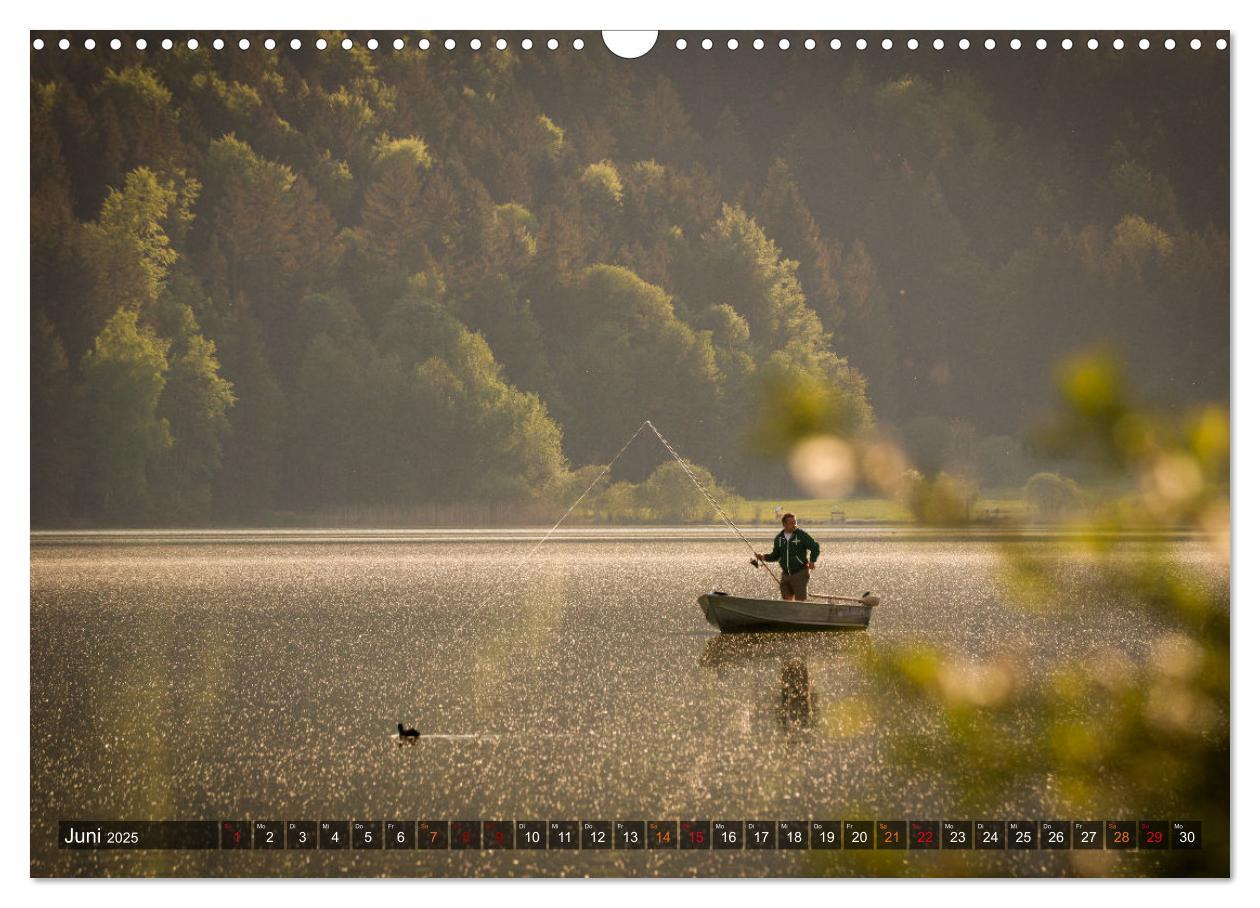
(1144, 731)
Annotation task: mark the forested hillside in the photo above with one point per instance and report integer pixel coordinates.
(287, 281)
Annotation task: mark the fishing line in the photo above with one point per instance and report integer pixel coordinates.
(773, 576)
(717, 507)
(602, 474)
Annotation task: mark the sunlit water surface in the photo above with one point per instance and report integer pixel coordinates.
(261, 676)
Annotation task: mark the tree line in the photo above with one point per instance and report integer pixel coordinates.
(270, 282)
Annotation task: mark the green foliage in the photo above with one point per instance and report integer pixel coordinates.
(346, 126)
(410, 153)
(515, 239)
(52, 456)
(417, 326)
(741, 267)
(796, 402)
(619, 503)
(782, 208)
(502, 442)
(1137, 243)
(397, 222)
(330, 314)
(670, 496)
(265, 235)
(923, 254)
(661, 126)
(123, 377)
(137, 213)
(1138, 191)
(139, 86)
(262, 218)
(137, 124)
(1121, 728)
(626, 351)
(943, 500)
(126, 253)
(602, 184)
(1180, 464)
(232, 107)
(344, 407)
(195, 403)
(1051, 496)
(646, 196)
(553, 136)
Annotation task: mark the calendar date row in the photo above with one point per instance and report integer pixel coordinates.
(601, 835)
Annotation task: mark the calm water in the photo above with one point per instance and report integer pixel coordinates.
(261, 675)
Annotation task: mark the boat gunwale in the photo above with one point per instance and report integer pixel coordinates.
(861, 613)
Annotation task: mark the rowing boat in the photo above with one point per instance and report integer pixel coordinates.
(734, 614)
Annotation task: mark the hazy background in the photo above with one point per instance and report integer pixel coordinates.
(270, 286)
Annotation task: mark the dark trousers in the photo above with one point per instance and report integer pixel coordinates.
(794, 585)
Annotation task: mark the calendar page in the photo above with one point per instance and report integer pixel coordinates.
(674, 454)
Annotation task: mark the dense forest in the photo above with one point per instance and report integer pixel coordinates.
(268, 282)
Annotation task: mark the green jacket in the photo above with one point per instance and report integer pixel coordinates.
(791, 555)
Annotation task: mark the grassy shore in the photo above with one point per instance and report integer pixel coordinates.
(883, 510)
(1003, 505)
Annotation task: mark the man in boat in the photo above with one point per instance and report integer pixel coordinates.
(795, 551)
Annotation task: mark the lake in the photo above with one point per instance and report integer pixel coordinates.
(260, 675)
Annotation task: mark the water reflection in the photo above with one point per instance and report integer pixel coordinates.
(802, 659)
(796, 695)
(722, 651)
(299, 659)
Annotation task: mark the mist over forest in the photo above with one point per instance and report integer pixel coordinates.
(287, 282)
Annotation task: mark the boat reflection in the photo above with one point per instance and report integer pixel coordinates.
(723, 651)
(796, 702)
(796, 695)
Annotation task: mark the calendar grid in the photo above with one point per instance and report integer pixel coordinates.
(631, 835)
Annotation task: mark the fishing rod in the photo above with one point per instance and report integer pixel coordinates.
(865, 599)
(647, 423)
(712, 502)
